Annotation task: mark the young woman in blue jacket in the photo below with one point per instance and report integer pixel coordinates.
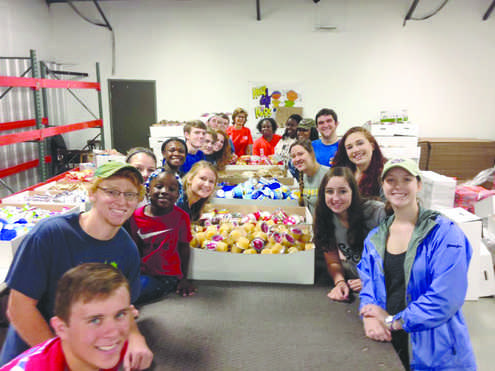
(414, 276)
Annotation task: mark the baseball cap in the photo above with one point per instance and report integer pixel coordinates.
(111, 168)
(306, 124)
(405, 163)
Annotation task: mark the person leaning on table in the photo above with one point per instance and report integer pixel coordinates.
(414, 275)
(59, 243)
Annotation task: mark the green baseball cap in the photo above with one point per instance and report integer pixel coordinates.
(111, 168)
(306, 124)
(405, 163)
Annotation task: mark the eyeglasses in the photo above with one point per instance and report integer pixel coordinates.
(129, 196)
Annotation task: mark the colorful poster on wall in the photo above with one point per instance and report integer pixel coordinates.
(273, 100)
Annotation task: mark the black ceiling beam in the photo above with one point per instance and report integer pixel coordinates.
(411, 11)
(489, 11)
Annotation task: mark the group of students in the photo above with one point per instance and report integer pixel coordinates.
(408, 264)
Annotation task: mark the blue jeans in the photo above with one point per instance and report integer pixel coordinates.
(155, 287)
(12, 347)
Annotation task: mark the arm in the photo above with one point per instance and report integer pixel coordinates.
(185, 287)
(341, 291)
(249, 149)
(138, 356)
(27, 319)
(447, 267)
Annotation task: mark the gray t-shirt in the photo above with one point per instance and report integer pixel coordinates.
(311, 185)
(374, 214)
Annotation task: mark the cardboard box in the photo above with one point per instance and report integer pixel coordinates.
(104, 158)
(227, 202)
(167, 131)
(8, 248)
(398, 146)
(485, 208)
(23, 198)
(437, 191)
(472, 227)
(280, 268)
(487, 279)
(392, 129)
(229, 168)
(457, 157)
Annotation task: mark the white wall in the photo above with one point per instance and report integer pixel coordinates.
(203, 53)
(24, 25)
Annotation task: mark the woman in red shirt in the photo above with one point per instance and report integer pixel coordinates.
(265, 146)
(241, 136)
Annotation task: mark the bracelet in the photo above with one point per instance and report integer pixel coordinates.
(339, 281)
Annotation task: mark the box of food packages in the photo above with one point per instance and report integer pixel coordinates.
(25, 217)
(57, 193)
(253, 243)
(235, 174)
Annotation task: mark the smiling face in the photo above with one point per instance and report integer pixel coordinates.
(195, 137)
(291, 127)
(208, 144)
(222, 123)
(240, 120)
(202, 184)
(174, 154)
(96, 331)
(359, 150)
(326, 126)
(213, 122)
(400, 188)
(303, 133)
(266, 129)
(301, 158)
(338, 195)
(113, 211)
(219, 143)
(144, 163)
(163, 193)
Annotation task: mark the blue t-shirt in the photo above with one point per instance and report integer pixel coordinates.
(190, 161)
(325, 153)
(58, 244)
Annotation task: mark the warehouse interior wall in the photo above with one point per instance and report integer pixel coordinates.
(203, 54)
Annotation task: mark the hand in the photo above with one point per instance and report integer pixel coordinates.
(340, 292)
(374, 311)
(376, 330)
(355, 285)
(185, 288)
(138, 356)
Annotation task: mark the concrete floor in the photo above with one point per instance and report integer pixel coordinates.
(480, 316)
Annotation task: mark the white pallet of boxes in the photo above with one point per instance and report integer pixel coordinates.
(159, 134)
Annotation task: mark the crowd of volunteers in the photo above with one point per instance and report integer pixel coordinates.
(373, 239)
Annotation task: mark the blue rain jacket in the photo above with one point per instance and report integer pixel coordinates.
(435, 270)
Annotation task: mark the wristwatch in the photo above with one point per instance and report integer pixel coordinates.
(389, 323)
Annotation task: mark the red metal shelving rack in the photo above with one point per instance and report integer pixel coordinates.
(37, 84)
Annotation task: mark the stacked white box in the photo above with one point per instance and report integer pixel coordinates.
(487, 279)
(398, 146)
(485, 208)
(471, 226)
(437, 191)
(396, 139)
